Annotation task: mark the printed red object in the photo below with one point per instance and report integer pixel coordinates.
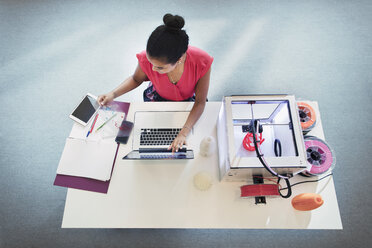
(307, 201)
(248, 141)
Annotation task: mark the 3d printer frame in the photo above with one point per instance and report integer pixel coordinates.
(280, 123)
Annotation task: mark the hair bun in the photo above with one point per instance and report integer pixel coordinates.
(173, 21)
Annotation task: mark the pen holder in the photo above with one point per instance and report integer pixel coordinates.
(207, 146)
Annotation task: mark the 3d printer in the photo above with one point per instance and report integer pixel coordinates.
(269, 123)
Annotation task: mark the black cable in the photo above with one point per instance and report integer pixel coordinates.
(289, 193)
(263, 162)
(307, 181)
(260, 156)
(277, 148)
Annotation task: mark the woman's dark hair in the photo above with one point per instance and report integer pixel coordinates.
(168, 42)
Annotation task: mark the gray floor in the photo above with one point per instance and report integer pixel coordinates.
(53, 52)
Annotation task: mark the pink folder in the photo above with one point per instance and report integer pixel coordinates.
(83, 182)
(88, 183)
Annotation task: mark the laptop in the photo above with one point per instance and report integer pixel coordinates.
(154, 132)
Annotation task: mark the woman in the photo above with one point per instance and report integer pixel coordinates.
(176, 71)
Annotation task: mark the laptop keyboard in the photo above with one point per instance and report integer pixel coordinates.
(158, 136)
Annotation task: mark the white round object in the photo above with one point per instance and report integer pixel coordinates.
(207, 146)
(203, 181)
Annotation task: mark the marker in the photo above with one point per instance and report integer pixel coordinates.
(92, 126)
(106, 121)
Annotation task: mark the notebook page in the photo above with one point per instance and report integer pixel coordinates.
(84, 158)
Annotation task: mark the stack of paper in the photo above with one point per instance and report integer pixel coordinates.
(85, 158)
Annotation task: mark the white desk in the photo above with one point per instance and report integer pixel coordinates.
(161, 194)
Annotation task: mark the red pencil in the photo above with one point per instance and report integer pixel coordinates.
(94, 122)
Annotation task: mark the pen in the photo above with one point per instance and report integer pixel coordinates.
(92, 126)
(106, 122)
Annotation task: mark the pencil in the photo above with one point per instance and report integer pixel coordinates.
(106, 122)
(92, 126)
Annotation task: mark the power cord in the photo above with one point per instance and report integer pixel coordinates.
(264, 163)
(307, 181)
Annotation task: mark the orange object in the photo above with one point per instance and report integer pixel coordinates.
(307, 201)
(307, 115)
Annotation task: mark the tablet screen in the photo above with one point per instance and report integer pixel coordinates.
(86, 109)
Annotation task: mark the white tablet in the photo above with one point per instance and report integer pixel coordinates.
(85, 110)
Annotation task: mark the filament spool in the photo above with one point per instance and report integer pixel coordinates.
(319, 155)
(307, 117)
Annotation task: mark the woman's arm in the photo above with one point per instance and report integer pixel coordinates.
(127, 85)
(201, 92)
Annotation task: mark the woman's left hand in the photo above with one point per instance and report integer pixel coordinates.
(180, 140)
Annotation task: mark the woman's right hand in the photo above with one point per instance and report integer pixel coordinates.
(106, 98)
